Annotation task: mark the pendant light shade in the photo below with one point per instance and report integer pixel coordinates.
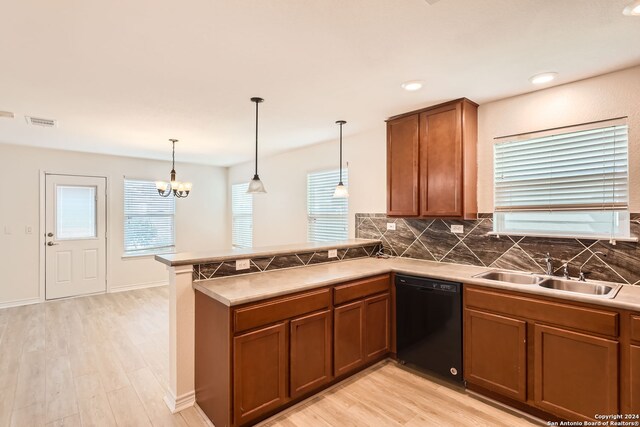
(341, 189)
(255, 185)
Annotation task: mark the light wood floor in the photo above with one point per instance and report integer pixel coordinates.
(389, 395)
(103, 361)
(91, 361)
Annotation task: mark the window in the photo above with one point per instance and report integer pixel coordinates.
(148, 219)
(564, 184)
(327, 217)
(242, 213)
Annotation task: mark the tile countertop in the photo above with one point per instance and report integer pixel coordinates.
(192, 258)
(258, 286)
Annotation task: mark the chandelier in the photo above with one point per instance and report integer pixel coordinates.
(179, 189)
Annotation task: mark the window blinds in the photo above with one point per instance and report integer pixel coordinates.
(327, 216)
(242, 213)
(581, 170)
(148, 218)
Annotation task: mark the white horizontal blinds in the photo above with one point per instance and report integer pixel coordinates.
(580, 170)
(242, 213)
(327, 216)
(148, 218)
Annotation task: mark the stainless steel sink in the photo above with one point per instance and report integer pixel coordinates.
(588, 288)
(510, 277)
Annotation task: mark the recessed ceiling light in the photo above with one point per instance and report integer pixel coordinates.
(542, 78)
(412, 86)
(633, 9)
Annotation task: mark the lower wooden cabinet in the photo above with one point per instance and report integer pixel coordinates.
(310, 351)
(377, 334)
(260, 372)
(634, 352)
(576, 375)
(496, 353)
(348, 337)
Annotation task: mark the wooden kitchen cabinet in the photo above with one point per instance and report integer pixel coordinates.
(311, 339)
(259, 372)
(402, 166)
(377, 323)
(567, 354)
(634, 377)
(348, 336)
(495, 353)
(576, 375)
(441, 140)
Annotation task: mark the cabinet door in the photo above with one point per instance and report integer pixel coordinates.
(376, 315)
(348, 337)
(402, 166)
(310, 352)
(495, 353)
(576, 375)
(635, 378)
(441, 161)
(260, 372)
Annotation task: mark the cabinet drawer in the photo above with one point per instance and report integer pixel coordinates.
(635, 328)
(361, 288)
(284, 308)
(580, 318)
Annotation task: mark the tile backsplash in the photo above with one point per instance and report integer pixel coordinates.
(432, 239)
(295, 259)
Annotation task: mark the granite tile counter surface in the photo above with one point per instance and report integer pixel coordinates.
(191, 258)
(247, 288)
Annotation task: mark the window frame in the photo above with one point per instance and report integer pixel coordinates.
(345, 180)
(618, 211)
(243, 188)
(147, 252)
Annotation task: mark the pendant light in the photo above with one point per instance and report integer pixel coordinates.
(255, 185)
(177, 188)
(341, 190)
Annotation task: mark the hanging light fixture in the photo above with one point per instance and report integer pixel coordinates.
(341, 190)
(255, 185)
(179, 189)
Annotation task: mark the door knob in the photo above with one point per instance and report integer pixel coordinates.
(49, 234)
(51, 244)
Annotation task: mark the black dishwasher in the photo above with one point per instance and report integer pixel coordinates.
(429, 325)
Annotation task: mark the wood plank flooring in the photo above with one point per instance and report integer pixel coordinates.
(103, 361)
(100, 360)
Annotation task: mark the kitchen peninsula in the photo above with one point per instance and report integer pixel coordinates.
(265, 323)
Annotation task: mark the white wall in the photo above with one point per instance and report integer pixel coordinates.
(599, 98)
(201, 222)
(280, 216)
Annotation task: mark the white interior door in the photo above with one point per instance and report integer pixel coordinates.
(75, 232)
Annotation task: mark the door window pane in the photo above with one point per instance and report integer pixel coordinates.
(75, 212)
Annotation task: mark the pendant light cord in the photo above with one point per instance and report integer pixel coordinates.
(173, 156)
(340, 153)
(256, 173)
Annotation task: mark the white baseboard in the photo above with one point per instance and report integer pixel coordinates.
(20, 302)
(180, 403)
(204, 417)
(138, 286)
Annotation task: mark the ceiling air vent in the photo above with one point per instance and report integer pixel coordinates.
(37, 121)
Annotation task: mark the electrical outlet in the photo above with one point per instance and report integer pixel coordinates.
(28, 229)
(391, 226)
(333, 253)
(243, 264)
(458, 229)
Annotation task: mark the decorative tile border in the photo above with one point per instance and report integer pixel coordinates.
(431, 239)
(261, 264)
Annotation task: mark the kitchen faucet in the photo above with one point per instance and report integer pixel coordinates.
(549, 261)
(581, 275)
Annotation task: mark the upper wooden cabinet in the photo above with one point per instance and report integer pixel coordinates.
(432, 161)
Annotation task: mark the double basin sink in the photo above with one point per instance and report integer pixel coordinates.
(572, 286)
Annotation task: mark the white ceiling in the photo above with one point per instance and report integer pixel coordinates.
(123, 76)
